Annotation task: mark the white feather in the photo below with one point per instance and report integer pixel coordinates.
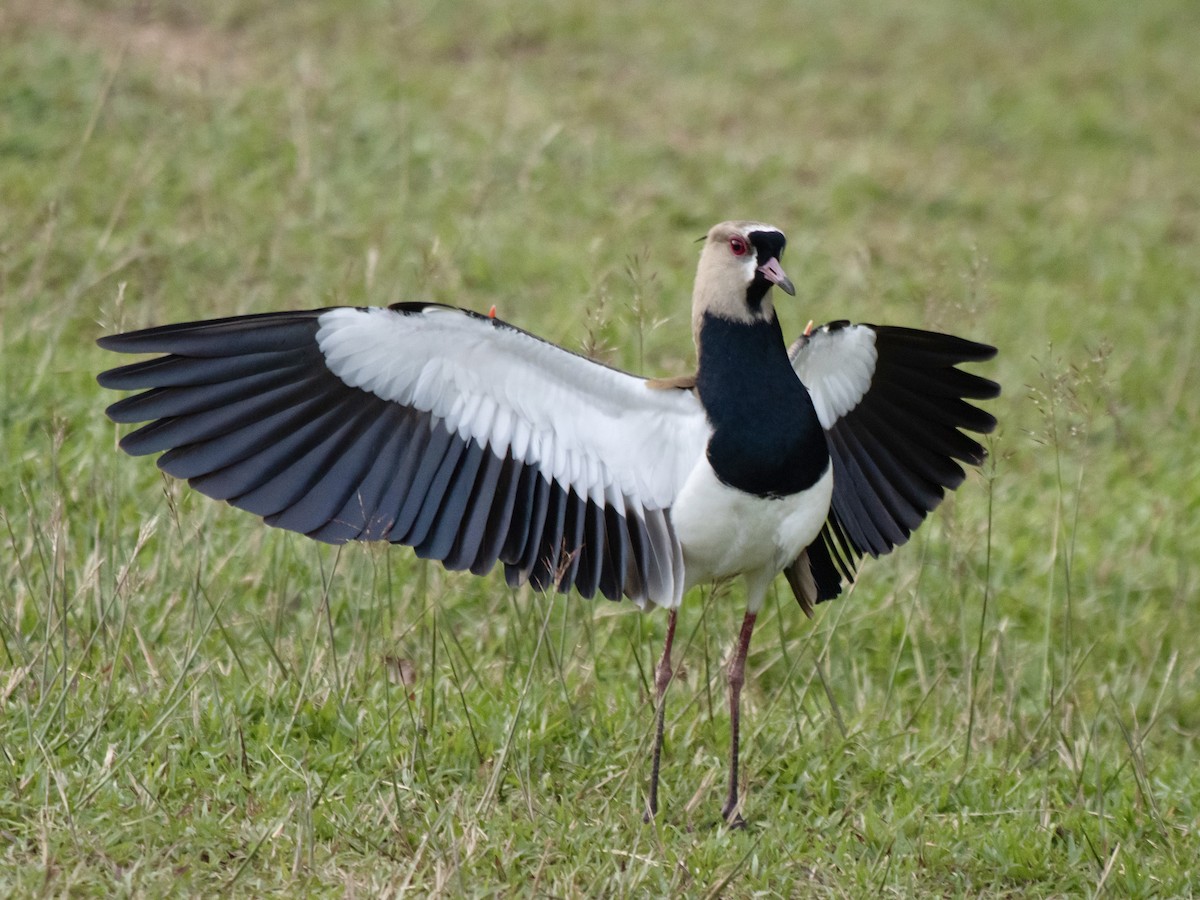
(724, 531)
(836, 365)
(582, 423)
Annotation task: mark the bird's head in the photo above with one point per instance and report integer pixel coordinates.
(738, 267)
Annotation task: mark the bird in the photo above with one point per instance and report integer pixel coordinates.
(474, 442)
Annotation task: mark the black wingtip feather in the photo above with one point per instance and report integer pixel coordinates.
(931, 348)
(229, 336)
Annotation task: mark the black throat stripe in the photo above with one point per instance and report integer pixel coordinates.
(768, 245)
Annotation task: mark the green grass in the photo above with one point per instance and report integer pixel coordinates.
(193, 703)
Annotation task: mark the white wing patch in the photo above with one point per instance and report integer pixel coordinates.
(836, 365)
(582, 423)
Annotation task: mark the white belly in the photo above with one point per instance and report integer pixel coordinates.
(727, 532)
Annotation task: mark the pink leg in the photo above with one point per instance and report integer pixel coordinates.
(662, 677)
(737, 677)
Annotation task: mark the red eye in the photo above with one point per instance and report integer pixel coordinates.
(738, 246)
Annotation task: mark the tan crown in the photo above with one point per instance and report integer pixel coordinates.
(722, 277)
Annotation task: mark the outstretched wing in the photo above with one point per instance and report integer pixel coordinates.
(894, 407)
(457, 434)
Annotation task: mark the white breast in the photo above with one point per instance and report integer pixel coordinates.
(727, 532)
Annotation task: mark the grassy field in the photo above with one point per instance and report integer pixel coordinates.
(1010, 706)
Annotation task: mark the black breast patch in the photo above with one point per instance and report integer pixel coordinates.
(766, 438)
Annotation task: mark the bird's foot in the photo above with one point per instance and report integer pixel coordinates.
(733, 817)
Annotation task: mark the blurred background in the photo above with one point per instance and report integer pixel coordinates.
(189, 701)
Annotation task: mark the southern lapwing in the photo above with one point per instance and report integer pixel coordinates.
(473, 442)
